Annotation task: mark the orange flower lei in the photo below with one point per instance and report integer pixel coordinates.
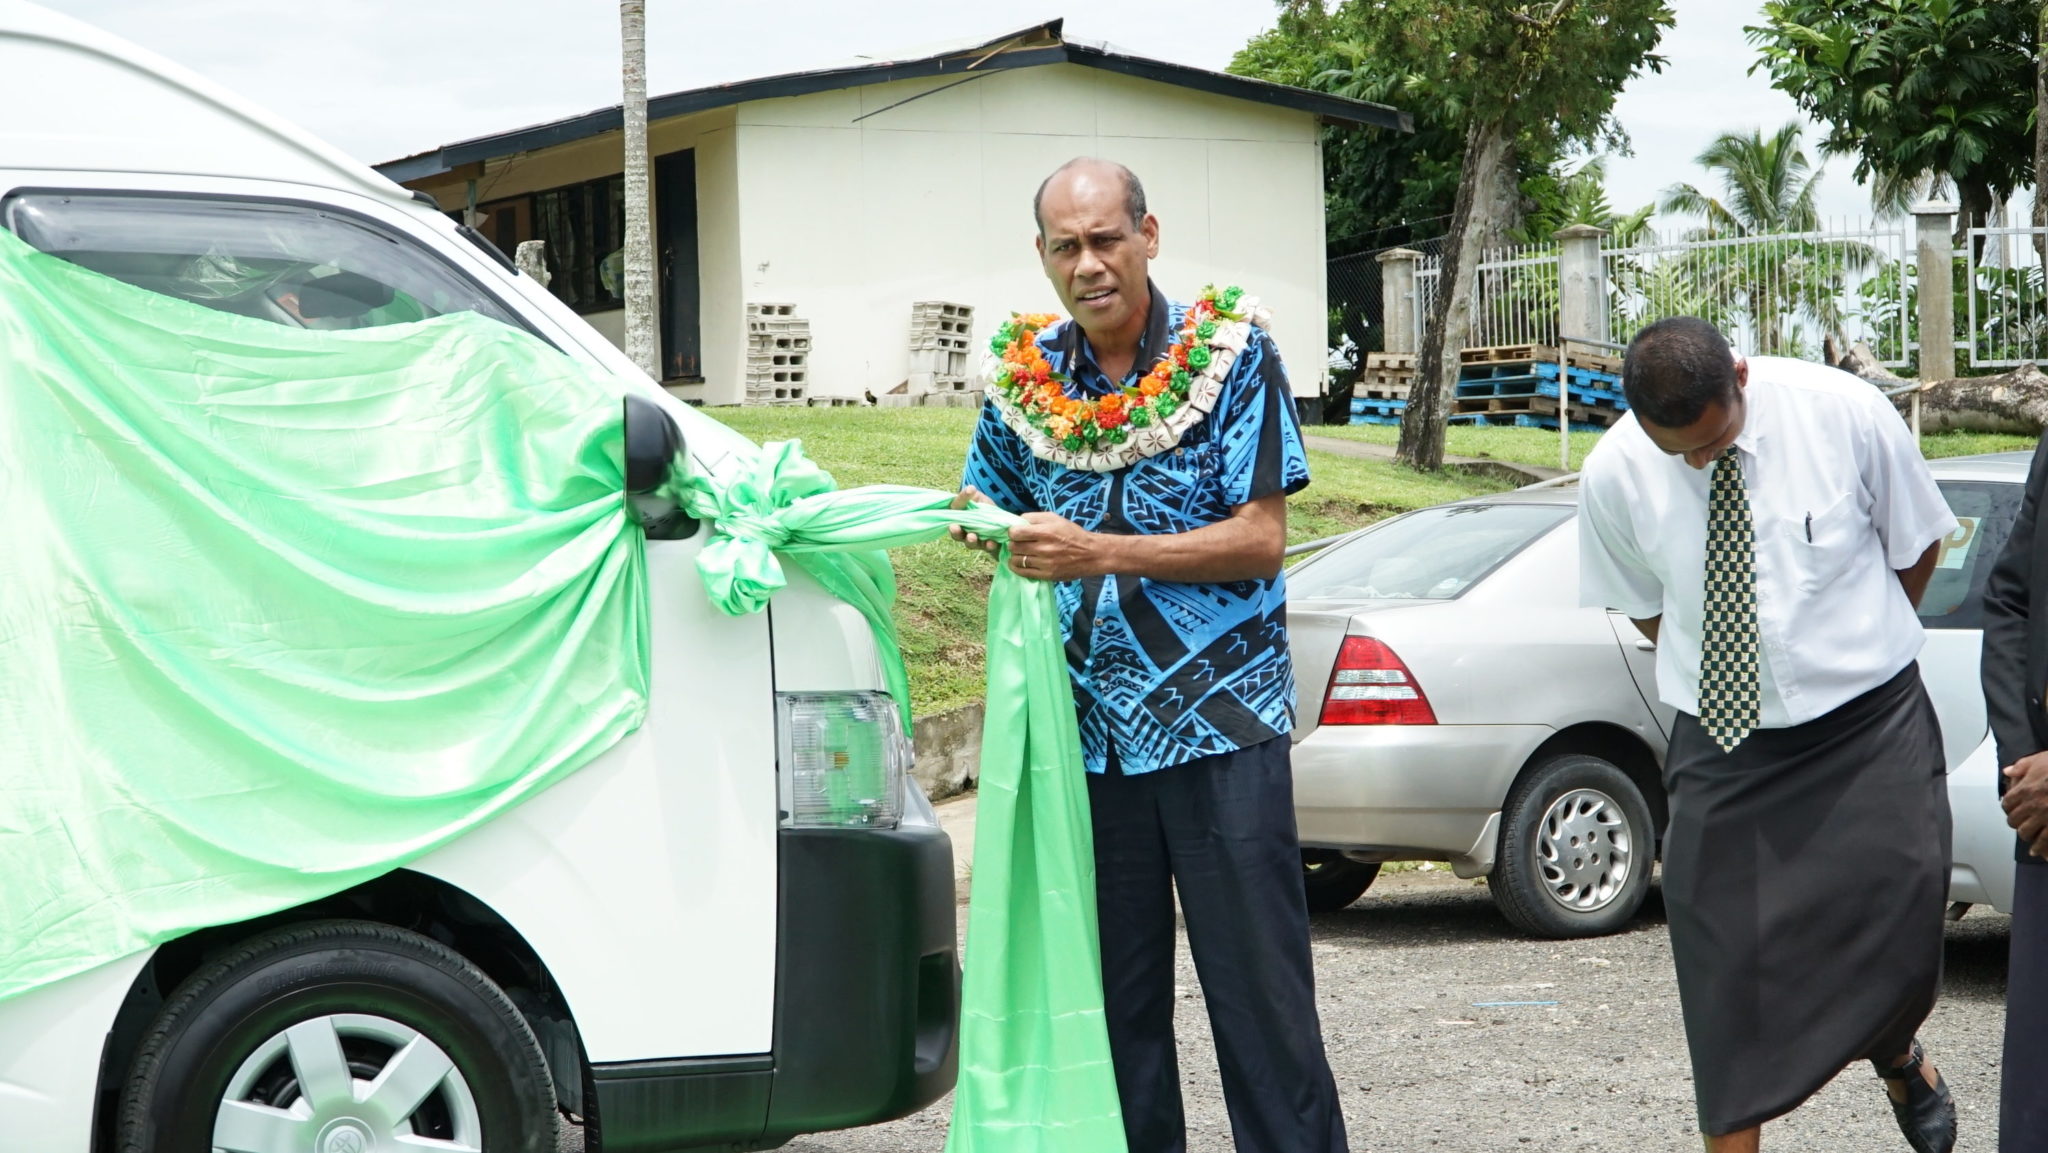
(1026, 380)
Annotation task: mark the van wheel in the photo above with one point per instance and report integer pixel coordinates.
(339, 1037)
(1332, 881)
(1576, 846)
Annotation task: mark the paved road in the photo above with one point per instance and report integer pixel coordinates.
(1421, 1068)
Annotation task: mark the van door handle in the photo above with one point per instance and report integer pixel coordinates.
(1647, 645)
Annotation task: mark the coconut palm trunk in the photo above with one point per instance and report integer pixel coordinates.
(639, 253)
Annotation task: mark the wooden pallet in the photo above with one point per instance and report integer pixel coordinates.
(1532, 406)
(1597, 361)
(1529, 384)
(1517, 420)
(1397, 361)
(1381, 390)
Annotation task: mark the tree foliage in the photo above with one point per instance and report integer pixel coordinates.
(1547, 71)
(1913, 88)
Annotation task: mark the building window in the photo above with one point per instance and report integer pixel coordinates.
(584, 227)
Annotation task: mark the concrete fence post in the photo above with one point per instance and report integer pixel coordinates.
(1934, 231)
(1581, 282)
(1397, 298)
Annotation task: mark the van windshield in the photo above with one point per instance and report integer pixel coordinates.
(1434, 554)
(292, 264)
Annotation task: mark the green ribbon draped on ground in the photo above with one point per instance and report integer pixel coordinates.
(1035, 1073)
(282, 610)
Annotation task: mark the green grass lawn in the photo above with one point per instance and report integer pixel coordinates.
(1535, 446)
(944, 588)
(1539, 446)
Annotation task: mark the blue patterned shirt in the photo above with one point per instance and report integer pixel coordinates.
(1165, 672)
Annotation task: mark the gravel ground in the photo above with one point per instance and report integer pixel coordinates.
(1420, 1067)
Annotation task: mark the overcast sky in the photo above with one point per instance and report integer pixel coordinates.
(386, 78)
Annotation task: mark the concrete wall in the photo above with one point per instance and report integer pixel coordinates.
(852, 209)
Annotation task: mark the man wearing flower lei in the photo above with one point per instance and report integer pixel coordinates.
(1151, 446)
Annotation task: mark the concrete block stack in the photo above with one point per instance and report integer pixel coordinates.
(940, 360)
(778, 355)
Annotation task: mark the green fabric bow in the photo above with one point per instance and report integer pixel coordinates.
(1035, 1071)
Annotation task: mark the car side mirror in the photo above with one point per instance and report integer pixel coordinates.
(654, 450)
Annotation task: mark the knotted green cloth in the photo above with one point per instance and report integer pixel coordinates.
(283, 610)
(1035, 1073)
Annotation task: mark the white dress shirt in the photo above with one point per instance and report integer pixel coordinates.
(1840, 498)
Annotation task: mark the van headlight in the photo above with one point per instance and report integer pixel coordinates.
(841, 759)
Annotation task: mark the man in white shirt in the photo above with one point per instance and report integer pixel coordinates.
(1771, 525)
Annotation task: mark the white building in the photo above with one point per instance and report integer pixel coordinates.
(853, 192)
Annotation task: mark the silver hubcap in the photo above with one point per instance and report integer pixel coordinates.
(348, 1083)
(1583, 850)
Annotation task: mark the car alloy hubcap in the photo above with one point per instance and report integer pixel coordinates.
(1584, 850)
(348, 1083)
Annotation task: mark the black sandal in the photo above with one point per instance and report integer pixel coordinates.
(1928, 1114)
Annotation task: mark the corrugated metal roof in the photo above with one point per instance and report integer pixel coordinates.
(1025, 48)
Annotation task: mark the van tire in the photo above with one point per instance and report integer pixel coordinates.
(376, 991)
(1576, 849)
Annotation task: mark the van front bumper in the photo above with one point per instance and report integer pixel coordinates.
(867, 999)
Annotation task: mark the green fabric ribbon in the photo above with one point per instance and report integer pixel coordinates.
(1035, 1072)
(283, 610)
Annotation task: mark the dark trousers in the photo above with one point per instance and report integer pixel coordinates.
(1221, 831)
(2023, 1098)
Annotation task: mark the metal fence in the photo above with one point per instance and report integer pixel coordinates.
(1357, 303)
(1773, 295)
(1515, 298)
(2007, 313)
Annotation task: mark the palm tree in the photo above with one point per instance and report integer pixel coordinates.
(639, 256)
(1770, 185)
(1769, 189)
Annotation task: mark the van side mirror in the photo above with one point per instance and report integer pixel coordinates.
(654, 449)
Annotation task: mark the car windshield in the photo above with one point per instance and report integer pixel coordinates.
(1434, 554)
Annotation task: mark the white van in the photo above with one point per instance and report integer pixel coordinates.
(669, 944)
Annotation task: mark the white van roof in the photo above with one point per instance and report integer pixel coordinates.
(74, 98)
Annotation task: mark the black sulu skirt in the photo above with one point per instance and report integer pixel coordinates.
(1806, 876)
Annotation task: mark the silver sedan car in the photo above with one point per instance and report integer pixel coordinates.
(1458, 705)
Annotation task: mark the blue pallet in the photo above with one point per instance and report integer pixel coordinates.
(1530, 384)
(1546, 369)
(1366, 407)
(1375, 420)
(1523, 420)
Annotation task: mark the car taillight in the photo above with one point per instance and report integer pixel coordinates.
(1370, 686)
(843, 757)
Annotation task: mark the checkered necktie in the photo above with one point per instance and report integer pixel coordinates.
(1729, 693)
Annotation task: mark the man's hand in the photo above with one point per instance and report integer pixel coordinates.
(970, 495)
(2026, 801)
(1052, 548)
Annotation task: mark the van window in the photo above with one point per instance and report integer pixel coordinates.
(300, 265)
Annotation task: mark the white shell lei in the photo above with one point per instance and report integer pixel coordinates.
(1160, 436)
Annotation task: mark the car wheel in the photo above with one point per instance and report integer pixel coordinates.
(339, 1037)
(1576, 846)
(1333, 881)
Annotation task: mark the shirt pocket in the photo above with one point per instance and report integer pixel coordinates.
(1826, 541)
(1188, 480)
